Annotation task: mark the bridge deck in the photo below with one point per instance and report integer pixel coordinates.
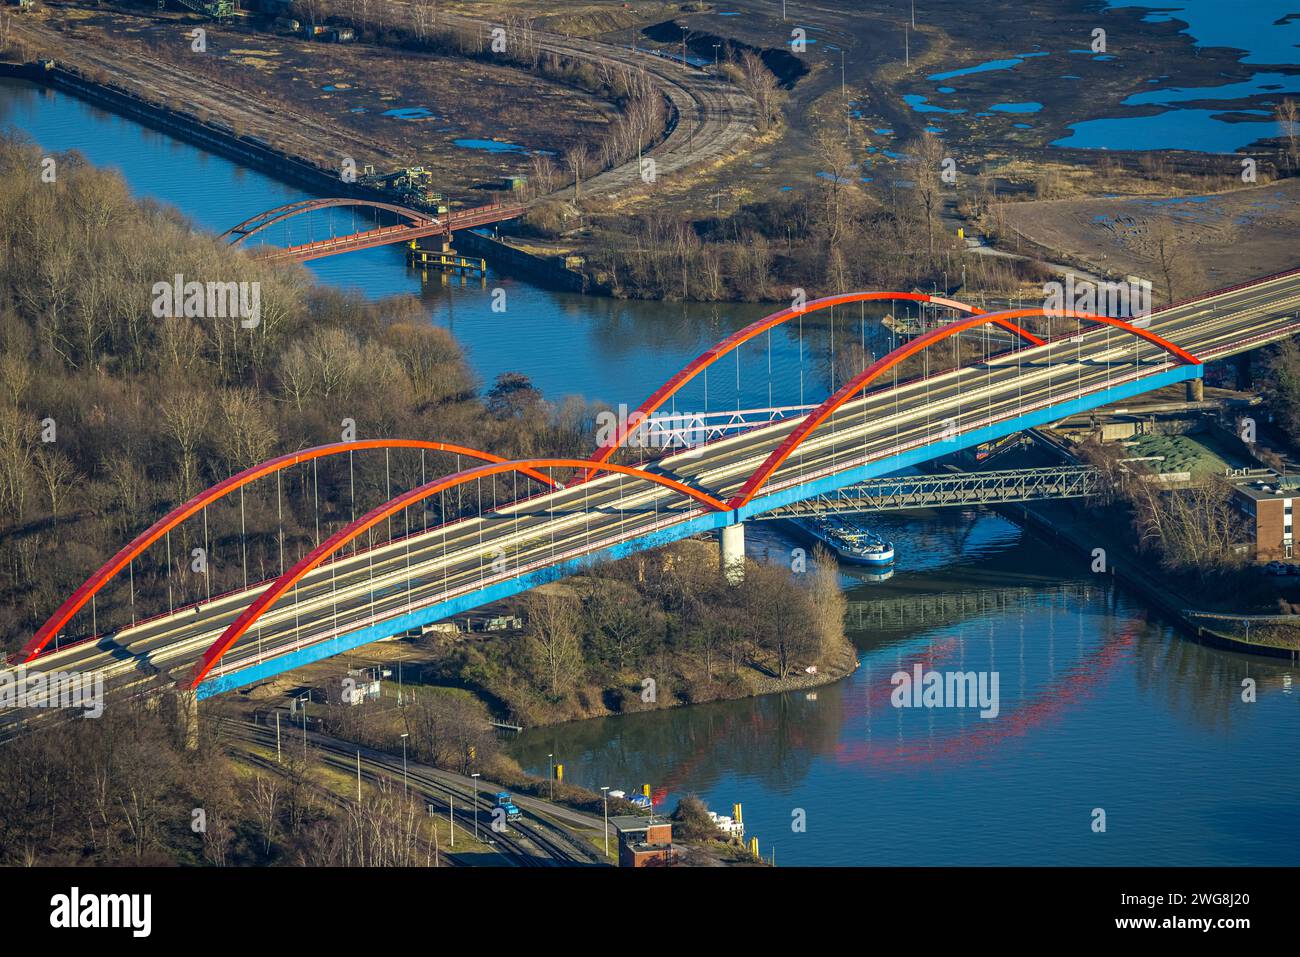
(402, 584)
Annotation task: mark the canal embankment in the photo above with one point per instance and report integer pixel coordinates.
(220, 138)
(1064, 521)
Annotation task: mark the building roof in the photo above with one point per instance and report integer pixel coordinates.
(633, 823)
(1266, 485)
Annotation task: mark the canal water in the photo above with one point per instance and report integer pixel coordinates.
(1100, 707)
(599, 348)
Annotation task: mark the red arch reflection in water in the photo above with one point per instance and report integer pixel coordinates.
(1074, 685)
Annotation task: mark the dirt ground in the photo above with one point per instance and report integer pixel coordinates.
(861, 73)
(865, 62)
(1225, 237)
(348, 99)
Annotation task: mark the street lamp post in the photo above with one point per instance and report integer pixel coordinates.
(475, 777)
(404, 736)
(550, 775)
(304, 698)
(605, 794)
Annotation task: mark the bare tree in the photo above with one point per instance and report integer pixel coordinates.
(56, 472)
(185, 416)
(577, 159)
(1288, 118)
(927, 161)
(554, 638)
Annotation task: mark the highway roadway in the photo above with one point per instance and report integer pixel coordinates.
(461, 557)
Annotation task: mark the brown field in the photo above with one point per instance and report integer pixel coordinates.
(1226, 237)
(284, 80)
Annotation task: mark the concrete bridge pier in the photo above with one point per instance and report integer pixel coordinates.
(187, 715)
(733, 552)
(1244, 377)
(1195, 390)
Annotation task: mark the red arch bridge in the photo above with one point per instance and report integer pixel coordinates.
(303, 219)
(423, 555)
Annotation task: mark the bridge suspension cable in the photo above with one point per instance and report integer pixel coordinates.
(124, 558)
(873, 372)
(318, 555)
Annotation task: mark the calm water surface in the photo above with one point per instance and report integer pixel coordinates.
(1101, 706)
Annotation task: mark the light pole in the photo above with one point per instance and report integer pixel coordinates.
(604, 792)
(475, 777)
(404, 734)
(550, 775)
(304, 698)
(277, 736)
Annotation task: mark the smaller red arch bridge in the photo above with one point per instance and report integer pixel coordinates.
(415, 224)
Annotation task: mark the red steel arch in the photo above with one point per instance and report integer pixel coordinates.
(863, 379)
(255, 224)
(376, 515)
(77, 600)
(736, 339)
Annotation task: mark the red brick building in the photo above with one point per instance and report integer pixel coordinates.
(1266, 501)
(643, 842)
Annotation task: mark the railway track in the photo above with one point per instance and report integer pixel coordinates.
(708, 116)
(534, 841)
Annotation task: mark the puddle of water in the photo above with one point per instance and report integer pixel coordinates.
(985, 67)
(918, 103)
(490, 146)
(410, 113)
(1255, 26)
(1259, 84)
(1199, 131)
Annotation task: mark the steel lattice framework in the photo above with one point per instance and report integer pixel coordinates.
(955, 488)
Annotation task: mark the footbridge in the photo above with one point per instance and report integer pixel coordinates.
(321, 236)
